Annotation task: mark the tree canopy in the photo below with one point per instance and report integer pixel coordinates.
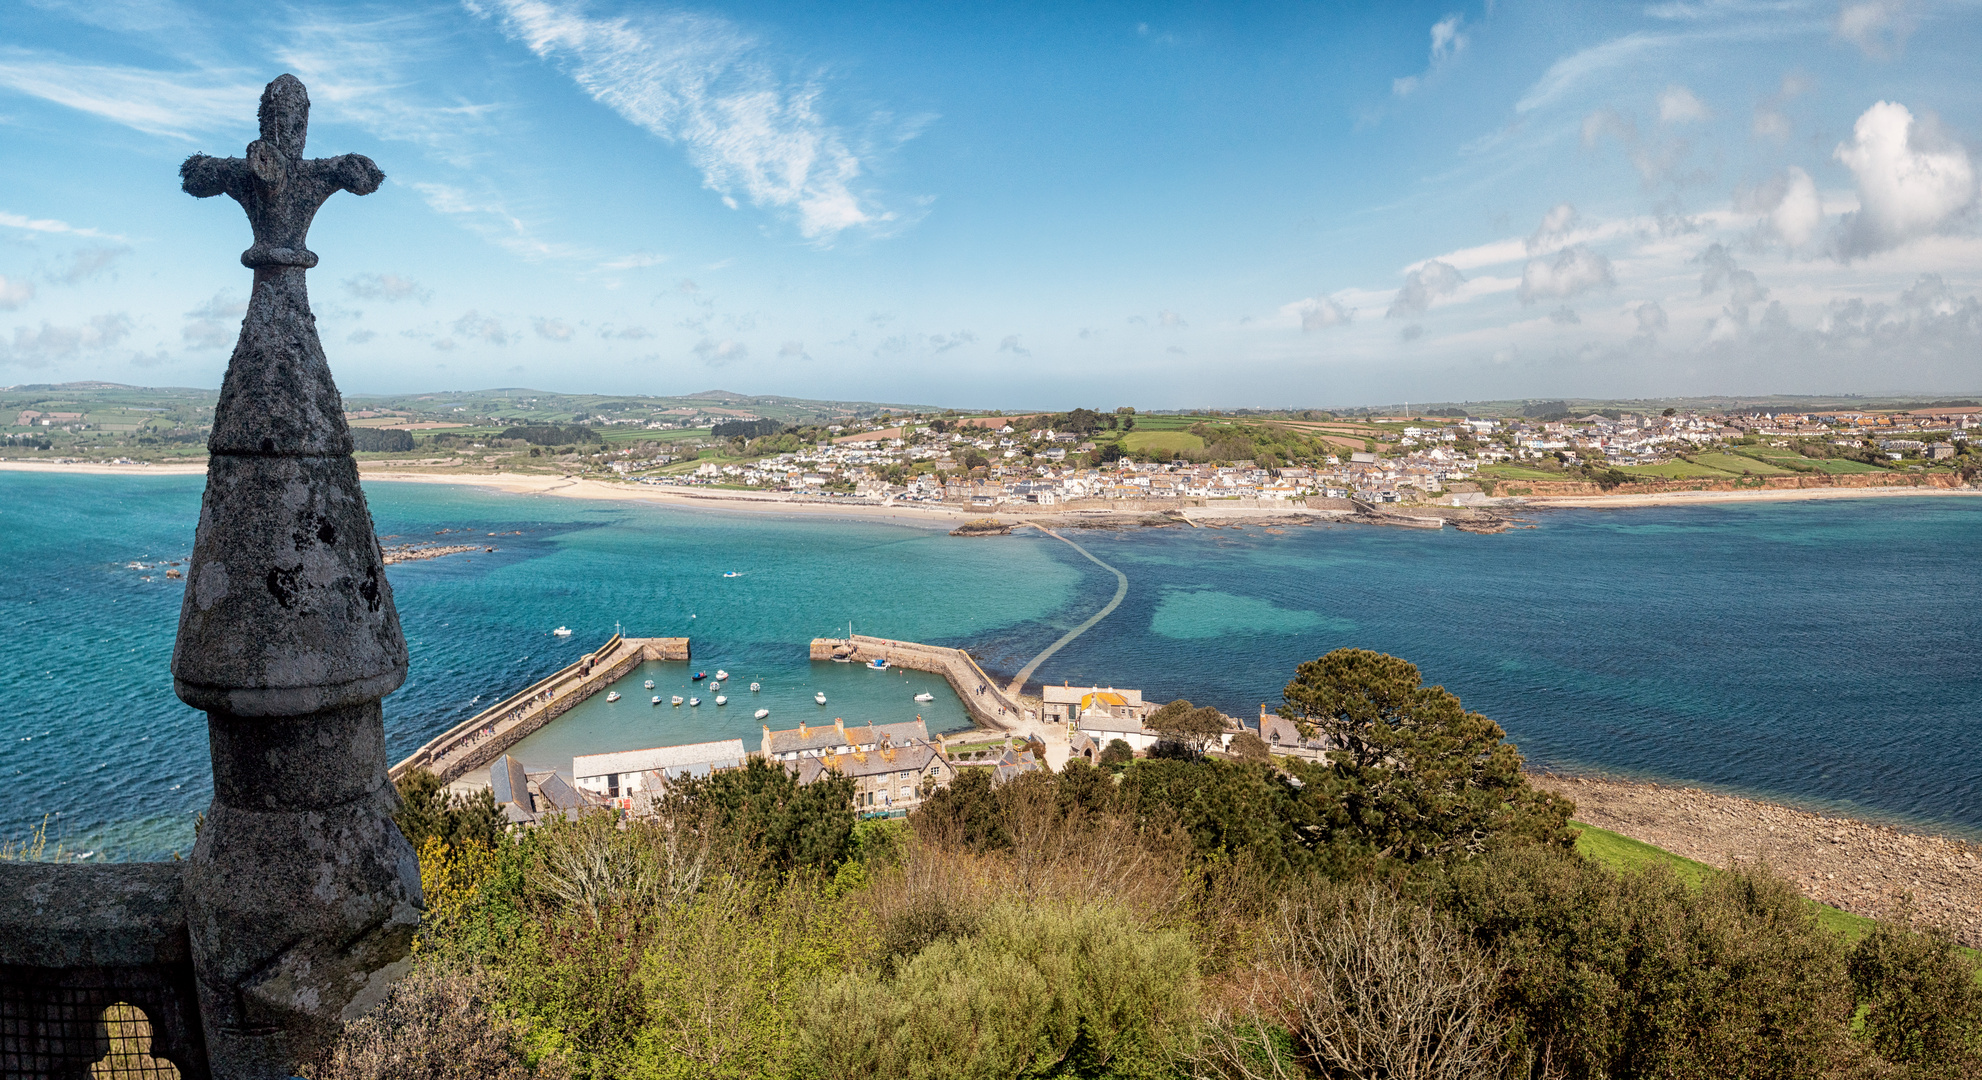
(1416, 775)
(1196, 728)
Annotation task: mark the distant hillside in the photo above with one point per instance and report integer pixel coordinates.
(523, 404)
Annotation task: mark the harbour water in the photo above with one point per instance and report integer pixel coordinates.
(1820, 653)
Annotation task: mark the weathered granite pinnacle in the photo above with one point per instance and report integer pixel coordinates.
(301, 895)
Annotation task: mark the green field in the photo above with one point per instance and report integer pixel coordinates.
(1845, 465)
(1790, 459)
(1675, 470)
(1521, 472)
(1168, 442)
(1165, 421)
(1741, 463)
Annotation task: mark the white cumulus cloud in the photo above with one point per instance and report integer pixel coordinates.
(1879, 27)
(387, 287)
(216, 323)
(1912, 182)
(718, 353)
(1789, 206)
(476, 326)
(1570, 272)
(552, 329)
(35, 348)
(1320, 313)
(1448, 39)
(1427, 283)
(14, 292)
(1678, 105)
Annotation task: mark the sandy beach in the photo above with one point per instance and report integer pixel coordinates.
(749, 502)
(1704, 498)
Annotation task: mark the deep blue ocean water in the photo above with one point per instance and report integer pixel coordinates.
(1823, 653)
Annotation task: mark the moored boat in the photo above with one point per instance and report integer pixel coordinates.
(650, 684)
(614, 696)
(698, 676)
(657, 699)
(879, 663)
(819, 697)
(721, 675)
(756, 686)
(562, 631)
(677, 700)
(694, 701)
(721, 700)
(925, 696)
(762, 713)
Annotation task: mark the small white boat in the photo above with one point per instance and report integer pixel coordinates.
(614, 696)
(820, 697)
(677, 700)
(762, 713)
(925, 697)
(756, 686)
(721, 700)
(715, 684)
(657, 699)
(562, 631)
(879, 663)
(694, 701)
(721, 674)
(650, 684)
(732, 573)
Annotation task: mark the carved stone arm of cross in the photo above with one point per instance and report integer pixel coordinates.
(278, 188)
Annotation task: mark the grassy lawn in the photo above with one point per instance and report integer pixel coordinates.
(1845, 465)
(1164, 422)
(1675, 470)
(1521, 472)
(1161, 441)
(1741, 463)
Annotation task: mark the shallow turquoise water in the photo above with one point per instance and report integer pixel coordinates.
(854, 693)
(1818, 652)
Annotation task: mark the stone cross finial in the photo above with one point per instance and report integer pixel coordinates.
(275, 184)
(301, 895)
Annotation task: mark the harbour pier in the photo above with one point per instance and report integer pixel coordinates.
(989, 704)
(480, 739)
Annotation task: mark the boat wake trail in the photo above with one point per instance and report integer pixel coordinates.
(1121, 590)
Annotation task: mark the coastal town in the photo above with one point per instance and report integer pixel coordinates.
(1120, 459)
(985, 462)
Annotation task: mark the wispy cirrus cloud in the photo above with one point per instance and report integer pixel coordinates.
(176, 105)
(50, 225)
(373, 73)
(702, 82)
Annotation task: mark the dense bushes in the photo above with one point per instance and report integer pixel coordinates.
(1410, 909)
(745, 429)
(381, 440)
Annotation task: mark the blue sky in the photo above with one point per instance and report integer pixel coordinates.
(1011, 205)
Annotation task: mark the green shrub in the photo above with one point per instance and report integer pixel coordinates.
(1922, 1008)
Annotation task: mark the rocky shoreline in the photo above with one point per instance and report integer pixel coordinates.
(1856, 866)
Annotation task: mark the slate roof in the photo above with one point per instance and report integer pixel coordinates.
(690, 759)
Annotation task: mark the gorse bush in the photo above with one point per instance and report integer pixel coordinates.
(1411, 908)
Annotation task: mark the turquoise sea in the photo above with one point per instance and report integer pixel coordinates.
(1828, 654)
